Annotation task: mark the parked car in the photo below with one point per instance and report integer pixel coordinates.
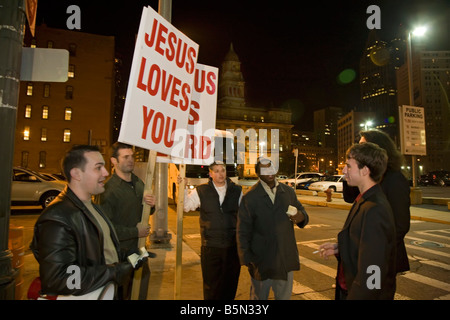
(248, 181)
(332, 182)
(435, 178)
(282, 177)
(305, 185)
(53, 176)
(301, 177)
(30, 187)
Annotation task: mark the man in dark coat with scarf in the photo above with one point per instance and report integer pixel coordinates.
(265, 231)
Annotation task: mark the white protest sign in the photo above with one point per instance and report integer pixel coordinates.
(202, 117)
(199, 136)
(412, 130)
(160, 85)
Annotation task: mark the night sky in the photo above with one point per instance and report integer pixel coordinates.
(291, 52)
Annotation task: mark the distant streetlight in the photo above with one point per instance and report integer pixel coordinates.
(418, 32)
(367, 125)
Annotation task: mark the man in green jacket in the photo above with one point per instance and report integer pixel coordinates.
(122, 201)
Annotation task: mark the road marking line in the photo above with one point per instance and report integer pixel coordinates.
(331, 272)
(317, 240)
(428, 281)
(428, 250)
(307, 292)
(430, 262)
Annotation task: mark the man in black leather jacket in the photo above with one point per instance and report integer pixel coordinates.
(74, 242)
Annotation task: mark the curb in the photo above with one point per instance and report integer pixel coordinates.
(429, 220)
(347, 206)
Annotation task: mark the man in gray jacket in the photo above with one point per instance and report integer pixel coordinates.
(265, 234)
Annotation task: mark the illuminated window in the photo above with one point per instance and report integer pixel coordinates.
(66, 137)
(29, 89)
(28, 111)
(26, 133)
(44, 134)
(50, 44)
(44, 112)
(68, 114)
(71, 73)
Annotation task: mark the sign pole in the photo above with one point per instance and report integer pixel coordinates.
(137, 278)
(12, 21)
(180, 208)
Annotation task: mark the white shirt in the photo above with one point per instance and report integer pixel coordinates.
(192, 200)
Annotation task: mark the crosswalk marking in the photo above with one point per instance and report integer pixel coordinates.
(428, 281)
(446, 297)
(307, 292)
(435, 252)
(430, 262)
(431, 233)
(331, 272)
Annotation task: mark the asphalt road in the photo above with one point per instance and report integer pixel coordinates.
(427, 245)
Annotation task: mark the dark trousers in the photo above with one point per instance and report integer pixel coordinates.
(340, 294)
(220, 271)
(124, 292)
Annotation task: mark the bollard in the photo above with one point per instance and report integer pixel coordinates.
(328, 192)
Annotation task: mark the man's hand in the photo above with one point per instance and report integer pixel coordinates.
(299, 217)
(143, 230)
(328, 249)
(150, 200)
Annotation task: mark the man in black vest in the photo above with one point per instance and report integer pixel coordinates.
(218, 201)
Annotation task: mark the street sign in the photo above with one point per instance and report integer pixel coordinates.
(160, 85)
(44, 64)
(412, 130)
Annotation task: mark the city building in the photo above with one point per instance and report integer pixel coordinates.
(349, 127)
(234, 113)
(378, 84)
(431, 86)
(325, 126)
(51, 117)
(312, 155)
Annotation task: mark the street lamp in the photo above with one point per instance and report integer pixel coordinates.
(418, 32)
(367, 125)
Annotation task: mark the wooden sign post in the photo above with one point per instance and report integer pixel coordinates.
(137, 279)
(180, 208)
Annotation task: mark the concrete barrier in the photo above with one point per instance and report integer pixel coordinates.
(437, 201)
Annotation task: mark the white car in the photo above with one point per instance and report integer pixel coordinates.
(29, 187)
(332, 182)
(248, 181)
(301, 177)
